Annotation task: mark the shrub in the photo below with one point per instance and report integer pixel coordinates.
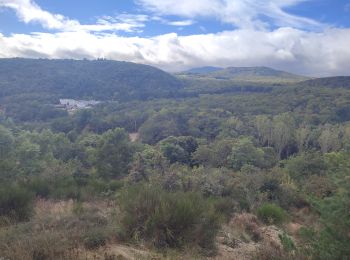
(65, 188)
(168, 219)
(16, 203)
(246, 226)
(245, 153)
(271, 214)
(94, 240)
(270, 251)
(40, 187)
(115, 185)
(304, 165)
(225, 206)
(114, 154)
(287, 242)
(78, 208)
(319, 186)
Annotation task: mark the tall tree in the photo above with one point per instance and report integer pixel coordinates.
(329, 139)
(283, 132)
(263, 126)
(6, 142)
(302, 137)
(114, 154)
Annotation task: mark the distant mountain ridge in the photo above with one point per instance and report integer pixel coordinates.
(254, 74)
(203, 70)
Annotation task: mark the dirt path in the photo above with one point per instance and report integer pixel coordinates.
(134, 137)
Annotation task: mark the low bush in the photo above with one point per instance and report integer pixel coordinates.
(245, 226)
(287, 242)
(94, 240)
(225, 206)
(271, 214)
(16, 203)
(272, 251)
(168, 219)
(41, 187)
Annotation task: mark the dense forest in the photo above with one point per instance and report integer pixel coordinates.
(196, 165)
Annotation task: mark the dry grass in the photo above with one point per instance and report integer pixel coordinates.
(245, 237)
(57, 231)
(242, 228)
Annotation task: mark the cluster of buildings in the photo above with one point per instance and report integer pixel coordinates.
(72, 105)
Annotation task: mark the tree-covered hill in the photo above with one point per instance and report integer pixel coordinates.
(97, 79)
(30, 89)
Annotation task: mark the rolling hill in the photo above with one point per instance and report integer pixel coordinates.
(30, 89)
(84, 79)
(329, 82)
(244, 74)
(203, 70)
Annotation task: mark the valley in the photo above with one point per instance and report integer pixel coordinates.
(115, 160)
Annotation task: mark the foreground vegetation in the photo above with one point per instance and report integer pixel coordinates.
(211, 175)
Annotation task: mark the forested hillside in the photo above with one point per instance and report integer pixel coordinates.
(29, 88)
(98, 79)
(171, 167)
(330, 82)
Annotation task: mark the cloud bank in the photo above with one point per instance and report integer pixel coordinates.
(317, 53)
(325, 53)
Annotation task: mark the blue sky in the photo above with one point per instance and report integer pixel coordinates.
(178, 34)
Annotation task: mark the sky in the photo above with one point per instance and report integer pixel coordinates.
(308, 37)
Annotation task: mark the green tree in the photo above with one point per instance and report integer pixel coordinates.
(6, 142)
(245, 153)
(114, 154)
(329, 139)
(178, 149)
(301, 166)
(302, 137)
(232, 128)
(215, 154)
(162, 125)
(204, 155)
(27, 155)
(263, 126)
(283, 133)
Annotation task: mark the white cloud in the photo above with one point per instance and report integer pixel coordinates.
(122, 22)
(163, 20)
(181, 23)
(241, 13)
(29, 12)
(325, 53)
